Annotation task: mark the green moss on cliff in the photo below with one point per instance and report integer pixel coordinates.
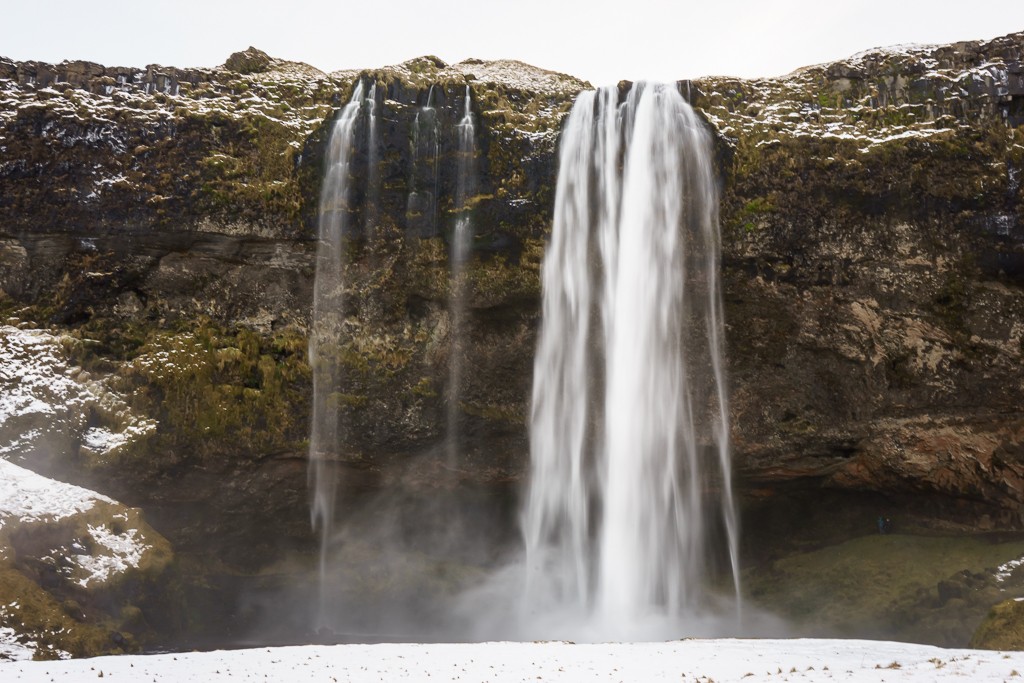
(941, 172)
(217, 392)
(428, 269)
(500, 280)
(513, 414)
(252, 175)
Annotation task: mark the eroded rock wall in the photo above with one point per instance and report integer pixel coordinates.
(873, 230)
(168, 228)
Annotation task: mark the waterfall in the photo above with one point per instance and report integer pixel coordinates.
(629, 510)
(436, 157)
(421, 206)
(326, 329)
(370, 207)
(462, 239)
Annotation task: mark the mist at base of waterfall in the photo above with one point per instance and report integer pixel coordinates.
(496, 610)
(428, 560)
(427, 609)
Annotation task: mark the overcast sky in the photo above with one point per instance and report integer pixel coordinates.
(597, 40)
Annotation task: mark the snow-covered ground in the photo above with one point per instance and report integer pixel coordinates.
(686, 660)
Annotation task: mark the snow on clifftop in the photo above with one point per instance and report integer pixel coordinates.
(512, 73)
(873, 97)
(509, 73)
(687, 660)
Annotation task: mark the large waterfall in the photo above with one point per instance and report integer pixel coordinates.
(629, 513)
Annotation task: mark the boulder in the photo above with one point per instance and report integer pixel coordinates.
(77, 570)
(248, 61)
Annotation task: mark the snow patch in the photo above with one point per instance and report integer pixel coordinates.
(120, 552)
(12, 649)
(28, 497)
(30, 368)
(1004, 571)
(41, 396)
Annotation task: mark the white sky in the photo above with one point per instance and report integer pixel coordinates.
(597, 40)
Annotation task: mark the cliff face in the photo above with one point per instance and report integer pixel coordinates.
(873, 229)
(166, 220)
(163, 222)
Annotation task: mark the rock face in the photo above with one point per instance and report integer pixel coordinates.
(80, 574)
(873, 250)
(162, 222)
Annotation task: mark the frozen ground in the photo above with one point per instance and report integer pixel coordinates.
(688, 660)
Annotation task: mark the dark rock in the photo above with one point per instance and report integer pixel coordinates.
(949, 590)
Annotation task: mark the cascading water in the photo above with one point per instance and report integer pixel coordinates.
(462, 239)
(630, 502)
(373, 154)
(436, 176)
(326, 331)
(421, 206)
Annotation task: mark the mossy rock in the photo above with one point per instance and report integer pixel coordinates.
(217, 390)
(85, 584)
(886, 585)
(55, 628)
(1003, 628)
(248, 61)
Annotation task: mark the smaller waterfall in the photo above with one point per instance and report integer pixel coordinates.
(414, 200)
(328, 320)
(373, 155)
(415, 148)
(437, 160)
(421, 206)
(462, 239)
